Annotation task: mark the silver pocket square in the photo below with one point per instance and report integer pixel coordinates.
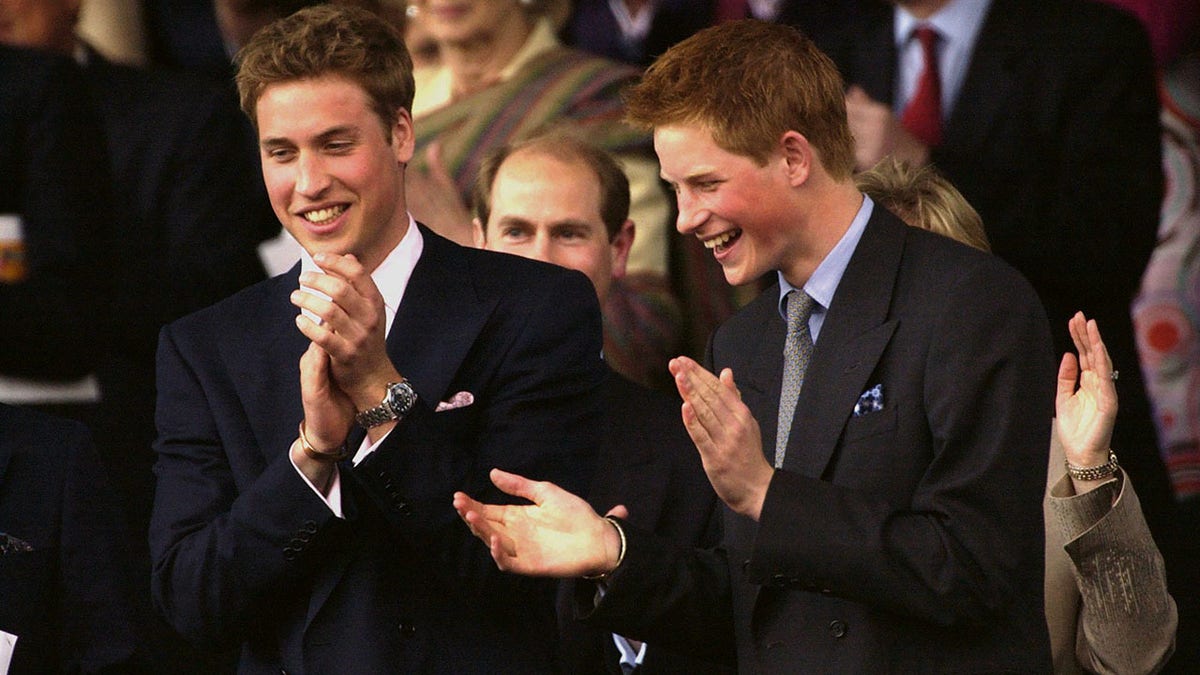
(460, 400)
(10, 544)
(870, 401)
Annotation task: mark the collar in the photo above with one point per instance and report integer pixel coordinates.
(392, 275)
(825, 279)
(957, 23)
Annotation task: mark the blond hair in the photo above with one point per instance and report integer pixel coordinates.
(923, 198)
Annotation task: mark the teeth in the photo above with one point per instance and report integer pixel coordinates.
(719, 240)
(323, 215)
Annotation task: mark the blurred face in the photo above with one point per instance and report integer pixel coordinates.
(738, 209)
(39, 24)
(465, 21)
(549, 210)
(335, 179)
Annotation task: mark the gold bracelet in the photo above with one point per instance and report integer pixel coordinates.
(1089, 473)
(336, 455)
(603, 576)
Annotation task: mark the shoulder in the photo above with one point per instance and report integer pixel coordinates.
(241, 313)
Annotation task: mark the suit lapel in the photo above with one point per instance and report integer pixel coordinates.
(758, 370)
(853, 337)
(435, 326)
(438, 320)
(268, 376)
(990, 80)
(873, 46)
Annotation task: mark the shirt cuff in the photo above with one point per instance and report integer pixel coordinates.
(334, 500)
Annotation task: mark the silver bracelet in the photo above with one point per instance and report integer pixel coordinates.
(1087, 473)
(603, 576)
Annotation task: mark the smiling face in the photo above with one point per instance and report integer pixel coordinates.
(335, 178)
(549, 210)
(741, 211)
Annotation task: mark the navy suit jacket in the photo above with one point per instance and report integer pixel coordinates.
(903, 540)
(68, 599)
(55, 177)
(246, 552)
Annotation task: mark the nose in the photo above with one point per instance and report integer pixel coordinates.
(311, 177)
(541, 248)
(691, 215)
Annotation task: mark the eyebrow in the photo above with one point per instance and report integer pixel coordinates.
(333, 132)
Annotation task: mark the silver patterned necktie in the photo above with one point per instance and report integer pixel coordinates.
(797, 350)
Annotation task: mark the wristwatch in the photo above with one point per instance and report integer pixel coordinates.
(396, 403)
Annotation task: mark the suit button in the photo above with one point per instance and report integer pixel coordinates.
(403, 508)
(837, 628)
(745, 566)
(407, 629)
(289, 554)
(310, 526)
(779, 580)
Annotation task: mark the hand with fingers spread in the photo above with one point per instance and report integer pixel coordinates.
(1086, 414)
(351, 327)
(726, 434)
(557, 535)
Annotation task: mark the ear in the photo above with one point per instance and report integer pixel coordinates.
(403, 137)
(620, 247)
(797, 157)
(477, 235)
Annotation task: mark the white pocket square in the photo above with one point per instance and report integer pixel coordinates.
(460, 400)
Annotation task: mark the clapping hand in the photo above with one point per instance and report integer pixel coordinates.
(556, 535)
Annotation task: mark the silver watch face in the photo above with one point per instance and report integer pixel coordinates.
(401, 397)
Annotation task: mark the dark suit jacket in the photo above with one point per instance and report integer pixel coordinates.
(68, 599)
(903, 540)
(55, 179)
(593, 28)
(647, 462)
(246, 552)
(1055, 141)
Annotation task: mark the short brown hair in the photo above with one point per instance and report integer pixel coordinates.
(327, 40)
(565, 147)
(923, 198)
(748, 82)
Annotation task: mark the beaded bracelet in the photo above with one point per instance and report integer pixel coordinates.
(1088, 473)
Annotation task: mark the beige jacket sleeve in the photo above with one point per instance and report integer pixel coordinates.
(1107, 604)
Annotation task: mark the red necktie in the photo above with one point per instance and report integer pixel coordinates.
(731, 10)
(923, 116)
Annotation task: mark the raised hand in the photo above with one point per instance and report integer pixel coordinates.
(556, 535)
(725, 433)
(1086, 415)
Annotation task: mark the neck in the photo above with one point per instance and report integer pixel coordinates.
(476, 64)
(830, 208)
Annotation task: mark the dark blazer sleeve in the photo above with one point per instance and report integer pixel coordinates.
(227, 525)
